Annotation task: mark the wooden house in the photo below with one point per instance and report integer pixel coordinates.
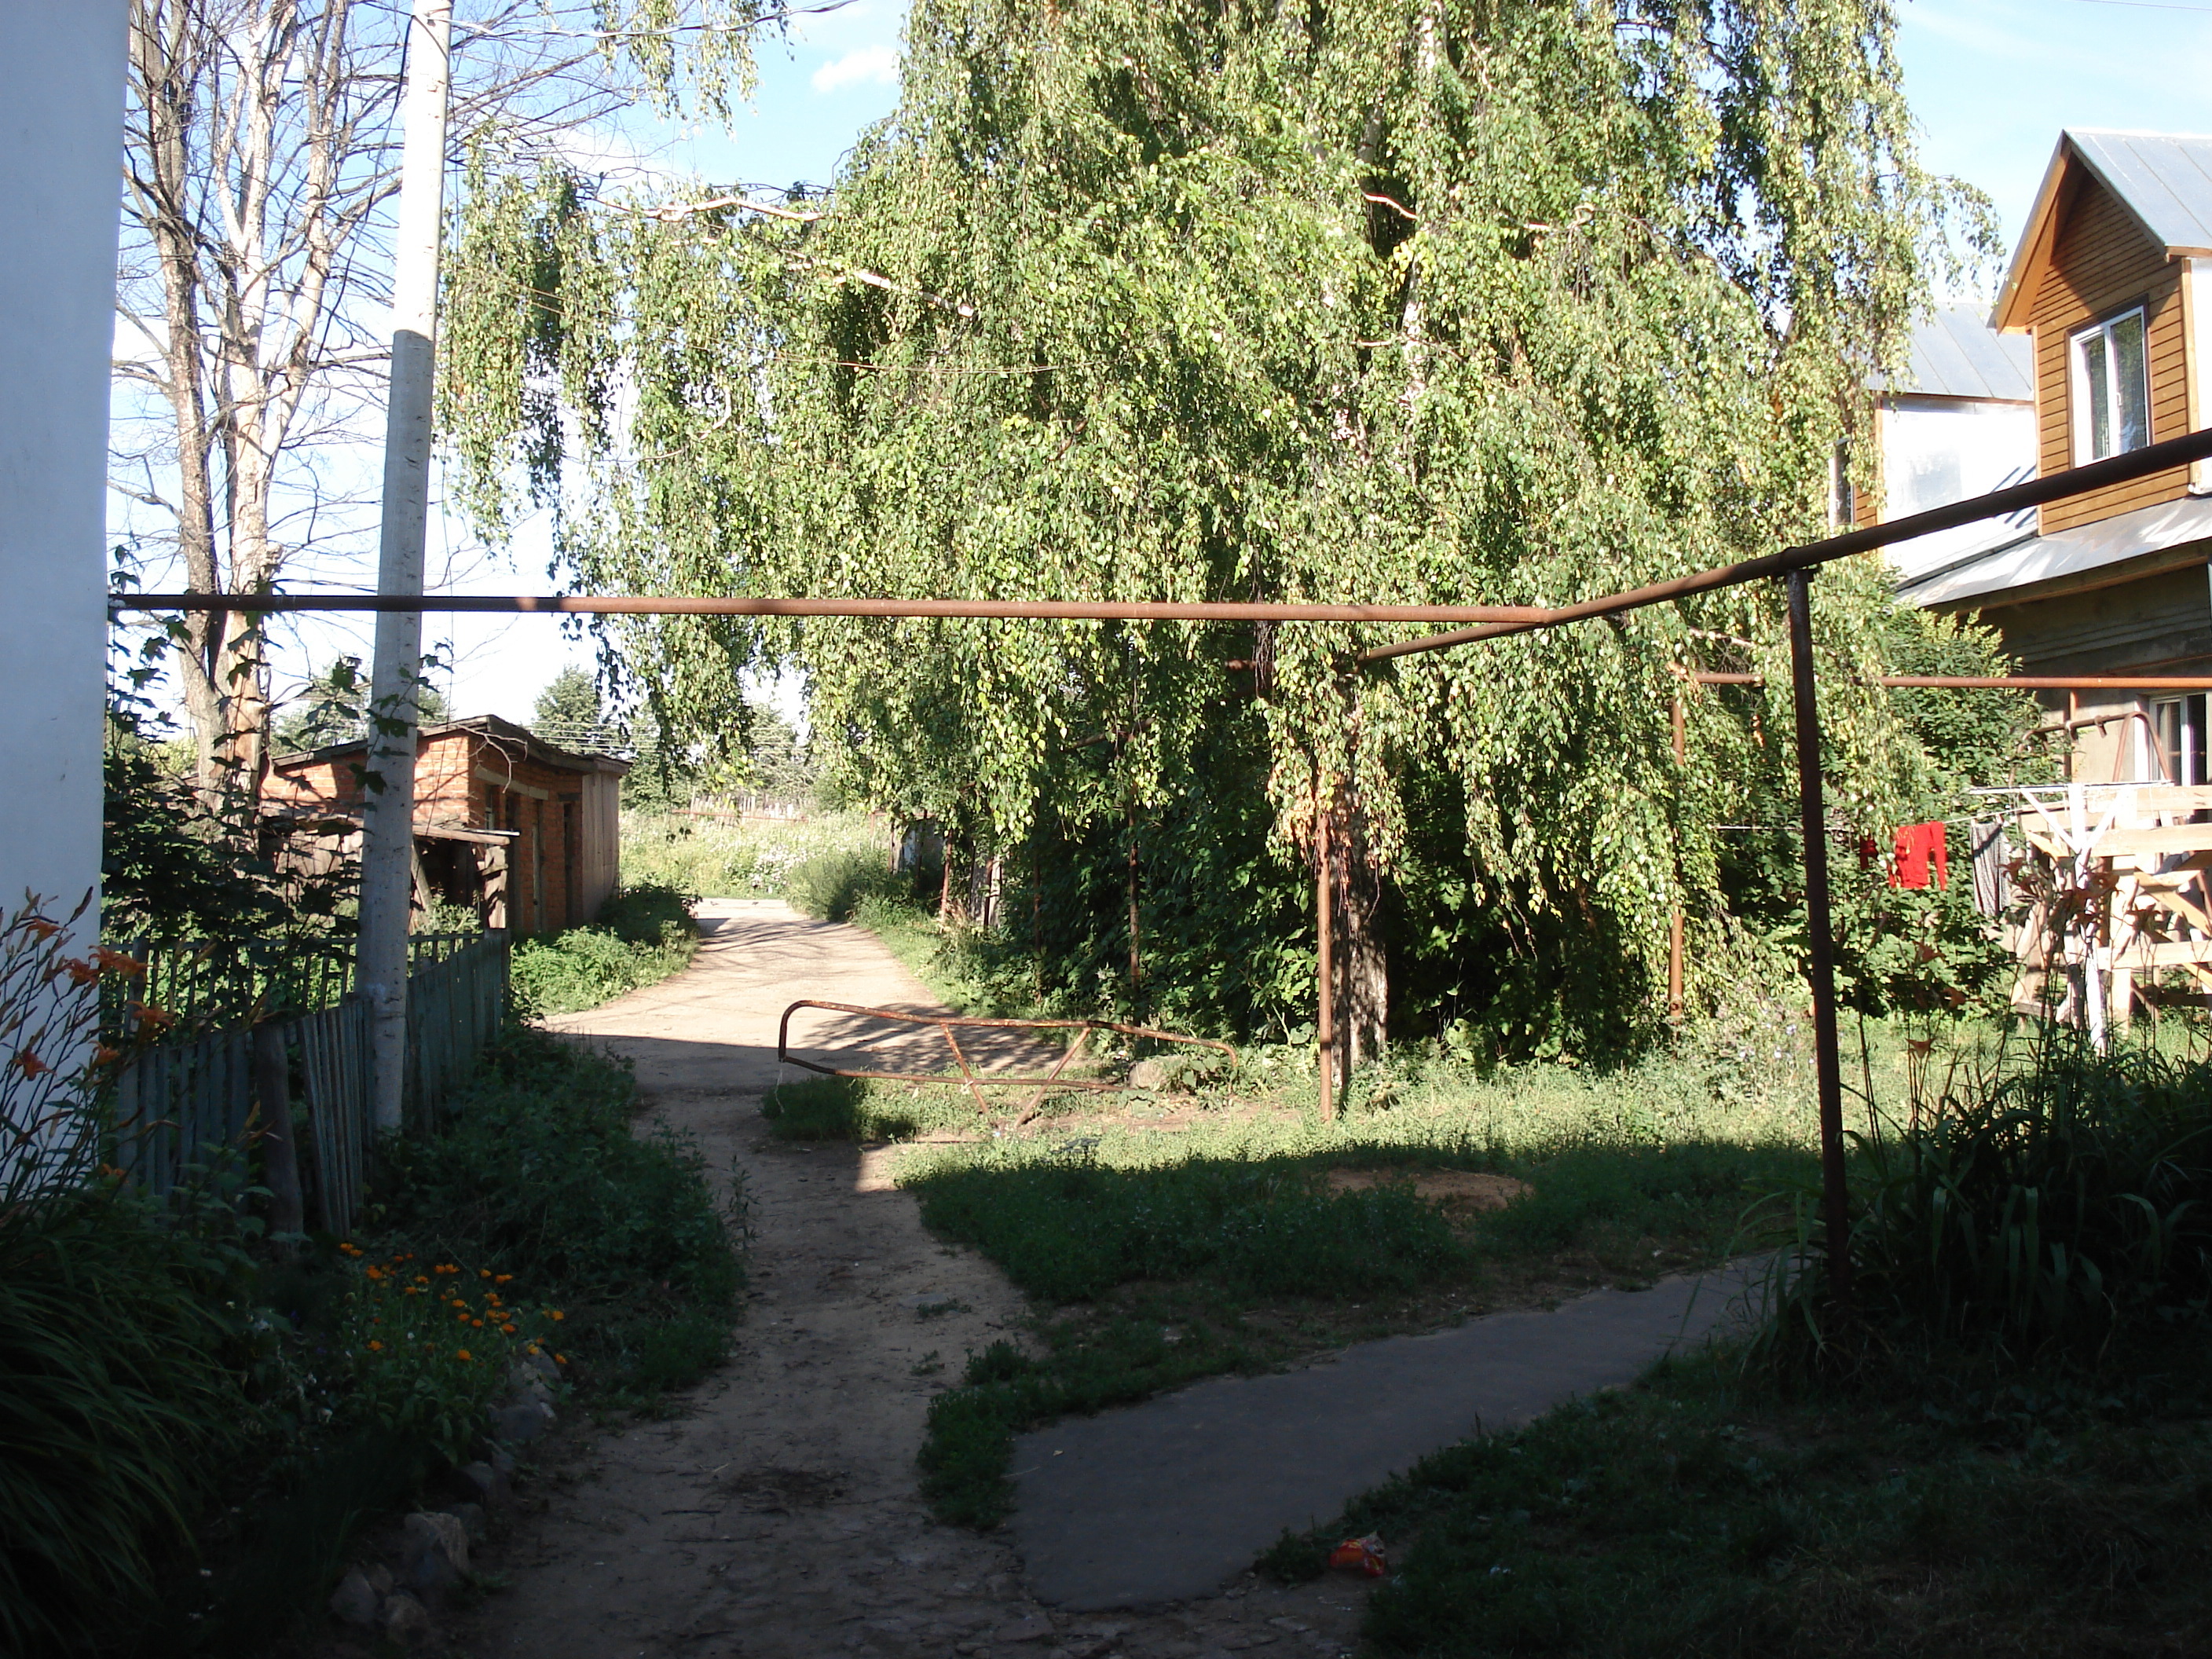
(524, 834)
(2109, 302)
(2111, 291)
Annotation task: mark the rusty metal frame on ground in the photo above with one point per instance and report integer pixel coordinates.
(976, 1083)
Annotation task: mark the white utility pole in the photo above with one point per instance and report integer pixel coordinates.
(388, 812)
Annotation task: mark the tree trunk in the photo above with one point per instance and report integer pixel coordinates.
(1361, 992)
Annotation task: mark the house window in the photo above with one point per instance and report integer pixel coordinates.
(2179, 724)
(2112, 388)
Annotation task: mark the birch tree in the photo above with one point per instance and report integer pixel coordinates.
(260, 162)
(1431, 299)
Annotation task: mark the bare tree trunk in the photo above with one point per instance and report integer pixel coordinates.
(1361, 988)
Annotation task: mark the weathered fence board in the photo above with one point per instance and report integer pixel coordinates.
(183, 1103)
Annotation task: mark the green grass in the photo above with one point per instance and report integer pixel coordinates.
(642, 935)
(754, 858)
(1169, 1238)
(1695, 1514)
(539, 1174)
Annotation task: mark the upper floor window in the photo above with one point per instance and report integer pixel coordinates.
(2112, 388)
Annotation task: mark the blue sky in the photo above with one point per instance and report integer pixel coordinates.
(1991, 84)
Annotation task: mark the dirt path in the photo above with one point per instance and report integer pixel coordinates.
(777, 1513)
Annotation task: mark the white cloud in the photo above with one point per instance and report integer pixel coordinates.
(879, 64)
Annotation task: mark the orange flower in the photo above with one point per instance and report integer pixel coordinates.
(152, 1018)
(509, 1329)
(464, 1354)
(104, 1055)
(80, 972)
(501, 1279)
(478, 1323)
(41, 929)
(560, 1359)
(484, 1272)
(115, 962)
(29, 1064)
(375, 1346)
(557, 1314)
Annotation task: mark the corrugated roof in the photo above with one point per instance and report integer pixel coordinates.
(2164, 178)
(1955, 353)
(2030, 558)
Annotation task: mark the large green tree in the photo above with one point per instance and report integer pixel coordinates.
(1511, 302)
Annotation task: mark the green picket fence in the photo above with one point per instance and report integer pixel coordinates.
(188, 1105)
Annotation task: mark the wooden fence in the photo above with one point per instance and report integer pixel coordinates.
(188, 1106)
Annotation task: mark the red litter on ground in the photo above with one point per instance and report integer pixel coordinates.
(1361, 1555)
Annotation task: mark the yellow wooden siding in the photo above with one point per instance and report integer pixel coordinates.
(599, 865)
(2102, 264)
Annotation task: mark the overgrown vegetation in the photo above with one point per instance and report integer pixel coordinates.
(642, 935)
(727, 856)
(194, 1418)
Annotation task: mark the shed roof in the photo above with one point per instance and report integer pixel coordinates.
(518, 742)
(2164, 179)
(1955, 353)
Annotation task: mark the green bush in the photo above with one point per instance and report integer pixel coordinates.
(837, 886)
(123, 1360)
(2042, 1209)
(540, 1177)
(643, 934)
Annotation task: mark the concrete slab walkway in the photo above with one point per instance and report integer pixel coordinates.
(1164, 1501)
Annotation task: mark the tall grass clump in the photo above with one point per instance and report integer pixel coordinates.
(643, 933)
(2040, 1213)
(122, 1352)
(842, 886)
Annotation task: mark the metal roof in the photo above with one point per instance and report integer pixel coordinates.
(2164, 179)
(1955, 353)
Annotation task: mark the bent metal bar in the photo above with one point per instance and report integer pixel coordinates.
(1796, 564)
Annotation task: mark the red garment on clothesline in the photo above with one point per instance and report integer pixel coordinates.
(1918, 845)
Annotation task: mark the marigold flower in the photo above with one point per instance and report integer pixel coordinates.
(560, 1359)
(501, 1279)
(557, 1314)
(463, 1353)
(29, 1064)
(484, 1272)
(419, 1279)
(509, 1329)
(375, 1346)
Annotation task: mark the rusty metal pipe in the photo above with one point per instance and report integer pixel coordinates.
(593, 604)
(2060, 486)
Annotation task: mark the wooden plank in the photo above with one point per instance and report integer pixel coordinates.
(2161, 953)
(2174, 838)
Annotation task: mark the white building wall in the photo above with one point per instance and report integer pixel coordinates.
(1936, 451)
(61, 134)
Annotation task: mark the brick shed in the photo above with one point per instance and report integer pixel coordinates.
(526, 834)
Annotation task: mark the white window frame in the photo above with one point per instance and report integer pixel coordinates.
(2186, 719)
(2077, 375)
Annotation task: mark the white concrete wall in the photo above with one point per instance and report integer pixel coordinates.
(60, 137)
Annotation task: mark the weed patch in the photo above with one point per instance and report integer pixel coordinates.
(643, 934)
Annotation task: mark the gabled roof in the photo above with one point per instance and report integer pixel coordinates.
(518, 742)
(1955, 353)
(2163, 180)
